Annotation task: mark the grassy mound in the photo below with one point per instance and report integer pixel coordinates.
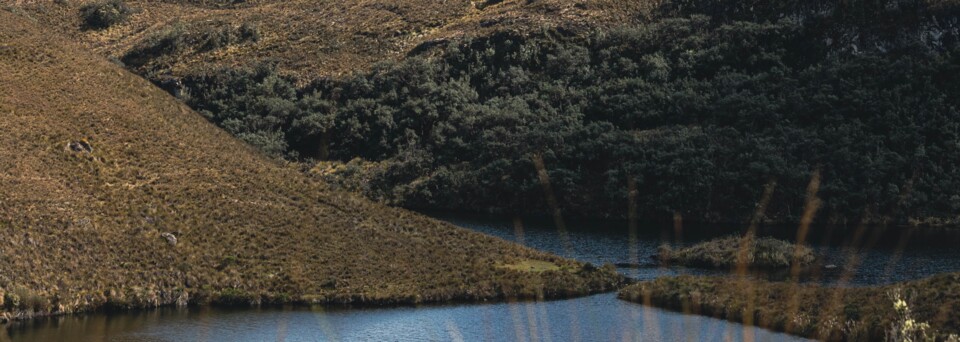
(827, 313)
(115, 194)
(766, 253)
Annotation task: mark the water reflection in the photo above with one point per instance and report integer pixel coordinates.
(891, 256)
(594, 318)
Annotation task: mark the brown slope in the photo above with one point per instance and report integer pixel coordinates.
(310, 38)
(79, 229)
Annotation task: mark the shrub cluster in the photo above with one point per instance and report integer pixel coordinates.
(179, 38)
(216, 38)
(22, 299)
(101, 15)
(700, 108)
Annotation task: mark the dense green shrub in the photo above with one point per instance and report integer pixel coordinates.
(258, 106)
(101, 15)
(701, 109)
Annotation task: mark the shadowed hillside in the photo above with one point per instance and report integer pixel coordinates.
(115, 194)
(659, 110)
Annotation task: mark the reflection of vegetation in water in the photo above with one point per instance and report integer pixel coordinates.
(697, 107)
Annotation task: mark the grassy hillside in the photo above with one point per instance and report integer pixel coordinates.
(116, 194)
(650, 109)
(310, 38)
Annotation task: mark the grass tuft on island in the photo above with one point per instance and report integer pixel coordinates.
(814, 311)
(762, 253)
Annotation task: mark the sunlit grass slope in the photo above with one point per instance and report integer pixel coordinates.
(310, 38)
(100, 172)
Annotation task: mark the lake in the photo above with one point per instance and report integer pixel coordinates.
(892, 256)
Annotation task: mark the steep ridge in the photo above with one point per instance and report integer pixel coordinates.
(115, 194)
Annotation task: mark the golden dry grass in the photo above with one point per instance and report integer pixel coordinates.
(532, 266)
(328, 38)
(83, 229)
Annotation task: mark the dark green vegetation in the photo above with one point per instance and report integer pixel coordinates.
(826, 313)
(700, 108)
(729, 252)
(117, 195)
(101, 15)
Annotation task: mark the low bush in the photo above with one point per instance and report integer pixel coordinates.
(21, 298)
(166, 41)
(181, 38)
(216, 38)
(101, 15)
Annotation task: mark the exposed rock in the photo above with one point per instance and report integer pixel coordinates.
(81, 146)
(172, 239)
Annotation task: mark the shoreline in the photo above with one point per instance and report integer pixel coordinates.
(927, 225)
(807, 310)
(300, 304)
(554, 285)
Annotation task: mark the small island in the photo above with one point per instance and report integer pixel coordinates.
(728, 252)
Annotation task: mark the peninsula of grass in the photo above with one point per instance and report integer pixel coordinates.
(116, 195)
(814, 311)
(756, 253)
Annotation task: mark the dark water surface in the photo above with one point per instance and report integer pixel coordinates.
(879, 256)
(594, 318)
(602, 317)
